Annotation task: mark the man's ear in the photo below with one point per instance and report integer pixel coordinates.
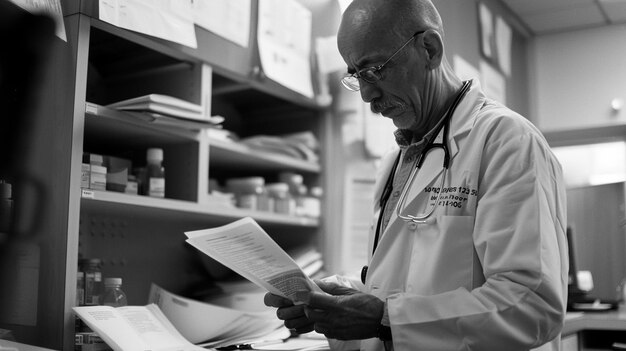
(433, 43)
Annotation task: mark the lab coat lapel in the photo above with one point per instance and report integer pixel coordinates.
(461, 123)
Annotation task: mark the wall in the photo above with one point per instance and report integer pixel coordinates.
(461, 26)
(575, 77)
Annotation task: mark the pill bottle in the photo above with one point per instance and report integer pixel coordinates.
(283, 201)
(312, 202)
(247, 191)
(91, 268)
(113, 293)
(155, 173)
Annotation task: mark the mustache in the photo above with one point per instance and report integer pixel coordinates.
(380, 106)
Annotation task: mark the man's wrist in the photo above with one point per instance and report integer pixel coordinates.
(384, 333)
(384, 329)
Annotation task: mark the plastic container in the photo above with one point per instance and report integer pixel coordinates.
(91, 268)
(248, 191)
(154, 183)
(113, 293)
(312, 203)
(283, 201)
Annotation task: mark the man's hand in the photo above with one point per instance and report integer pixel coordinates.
(293, 315)
(343, 314)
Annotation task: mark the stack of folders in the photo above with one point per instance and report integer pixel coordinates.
(168, 110)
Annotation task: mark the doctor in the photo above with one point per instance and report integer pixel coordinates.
(468, 254)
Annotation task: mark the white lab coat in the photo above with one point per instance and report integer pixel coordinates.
(490, 272)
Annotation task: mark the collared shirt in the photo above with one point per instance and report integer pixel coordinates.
(410, 151)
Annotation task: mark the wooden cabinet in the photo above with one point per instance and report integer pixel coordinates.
(139, 238)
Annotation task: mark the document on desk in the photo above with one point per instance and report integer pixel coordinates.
(213, 325)
(132, 328)
(247, 249)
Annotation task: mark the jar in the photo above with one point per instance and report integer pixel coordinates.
(247, 191)
(283, 201)
(312, 203)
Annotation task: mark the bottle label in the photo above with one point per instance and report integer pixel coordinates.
(156, 187)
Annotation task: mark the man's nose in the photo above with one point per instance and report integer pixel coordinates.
(369, 91)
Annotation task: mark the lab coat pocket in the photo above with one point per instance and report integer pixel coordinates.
(442, 257)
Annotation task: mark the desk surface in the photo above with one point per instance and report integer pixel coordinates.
(610, 320)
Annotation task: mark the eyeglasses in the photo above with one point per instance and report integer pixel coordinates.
(371, 74)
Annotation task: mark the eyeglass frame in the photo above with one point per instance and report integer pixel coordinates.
(374, 70)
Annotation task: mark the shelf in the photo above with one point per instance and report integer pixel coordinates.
(114, 202)
(236, 156)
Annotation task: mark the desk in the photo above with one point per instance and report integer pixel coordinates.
(594, 330)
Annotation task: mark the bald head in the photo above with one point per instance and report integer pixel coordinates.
(387, 21)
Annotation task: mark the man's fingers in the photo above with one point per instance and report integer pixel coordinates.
(290, 312)
(322, 301)
(272, 300)
(299, 323)
(334, 288)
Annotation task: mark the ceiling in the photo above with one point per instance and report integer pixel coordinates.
(554, 16)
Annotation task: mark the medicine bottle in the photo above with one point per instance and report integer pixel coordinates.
(113, 294)
(6, 207)
(247, 191)
(155, 173)
(93, 280)
(283, 201)
(312, 203)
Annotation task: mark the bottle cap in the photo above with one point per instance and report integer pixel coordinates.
(5, 190)
(155, 154)
(112, 281)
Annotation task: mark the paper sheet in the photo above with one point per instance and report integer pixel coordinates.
(200, 322)
(49, 7)
(247, 249)
(229, 19)
(284, 38)
(166, 19)
(132, 328)
(504, 36)
(486, 29)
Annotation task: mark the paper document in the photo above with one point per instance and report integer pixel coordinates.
(164, 104)
(247, 249)
(133, 328)
(284, 39)
(213, 325)
(166, 19)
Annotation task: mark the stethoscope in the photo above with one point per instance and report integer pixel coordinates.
(430, 145)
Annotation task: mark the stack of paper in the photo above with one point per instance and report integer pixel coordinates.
(212, 325)
(132, 328)
(164, 109)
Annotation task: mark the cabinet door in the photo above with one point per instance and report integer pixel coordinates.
(35, 73)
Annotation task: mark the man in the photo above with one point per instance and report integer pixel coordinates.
(469, 258)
